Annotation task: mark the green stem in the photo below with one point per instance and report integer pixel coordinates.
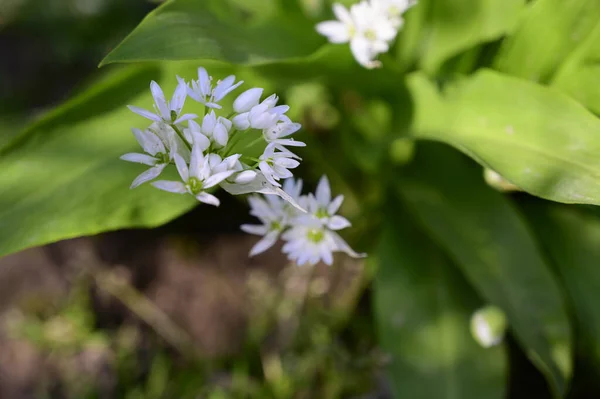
(181, 136)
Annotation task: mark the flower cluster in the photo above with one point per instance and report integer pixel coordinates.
(205, 151)
(309, 236)
(369, 26)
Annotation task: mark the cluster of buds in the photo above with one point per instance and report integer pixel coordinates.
(206, 155)
(310, 237)
(370, 27)
(204, 151)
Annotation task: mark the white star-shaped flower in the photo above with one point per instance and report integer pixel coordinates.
(324, 209)
(157, 156)
(197, 178)
(274, 165)
(367, 28)
(165, 111)
(274, 214)
(202, 91)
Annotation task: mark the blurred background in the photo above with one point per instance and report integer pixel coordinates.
(179, 311)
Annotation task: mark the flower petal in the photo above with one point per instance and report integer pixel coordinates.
(338, 223)
(217, 178)
(182, 167)
(196, 161)
(176, 187)
(323, 193)
(248, 99)
(139, 158)
(265, 243)
(178, 100)
(161, 102)
(336, 32)
(204, 84)
(145, 113)
(256, 229)
(148, 175)
(334, 206)
(208, 199)
(184, 118)
(341, 245)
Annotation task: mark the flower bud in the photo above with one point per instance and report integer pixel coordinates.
(208, 123)
(220, 135)
(488, 326)
(245, 177)
(248, 99)
(241, 121)
(498, 182)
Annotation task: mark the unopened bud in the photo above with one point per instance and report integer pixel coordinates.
(498, 182)
(488, 326)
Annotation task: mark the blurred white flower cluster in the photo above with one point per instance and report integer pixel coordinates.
(310, 237)
(205, 150)
(370, 27)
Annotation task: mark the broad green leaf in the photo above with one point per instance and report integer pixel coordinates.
(438, 30)
(423, 308)
(487, 239)
(548, 33)
(572, 239)
(579, 75)
(582, 83)
(194, 30)
(62, 177)
(537, 138)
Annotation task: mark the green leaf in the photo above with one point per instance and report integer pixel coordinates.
(479, 228)
(572, 239)
(194, 30)
(438, 30)
(549, 32)
(552, 140)
(578, 76)
(62, 177)
(423, 308)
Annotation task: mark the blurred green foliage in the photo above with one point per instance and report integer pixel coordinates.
(510, 84)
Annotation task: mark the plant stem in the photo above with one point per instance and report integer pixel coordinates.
(181, 136)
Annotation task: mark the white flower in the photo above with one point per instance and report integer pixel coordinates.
(167, 112)
(193, 134)
(275, 215)
(270, 213)
(311, 242)
(368, 29)
(321, 207)
(217, 129)
(247, 100)
(156, 156)
(203, 92)
(340, 31)
(393, 9)
(275, 165)
(261, 116)
(283, 129)
(196, 178)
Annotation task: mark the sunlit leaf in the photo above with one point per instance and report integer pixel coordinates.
(548, 33)
(194, 30)
(437, 30)
(535, 137)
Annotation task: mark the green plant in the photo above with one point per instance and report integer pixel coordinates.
(508, 83)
